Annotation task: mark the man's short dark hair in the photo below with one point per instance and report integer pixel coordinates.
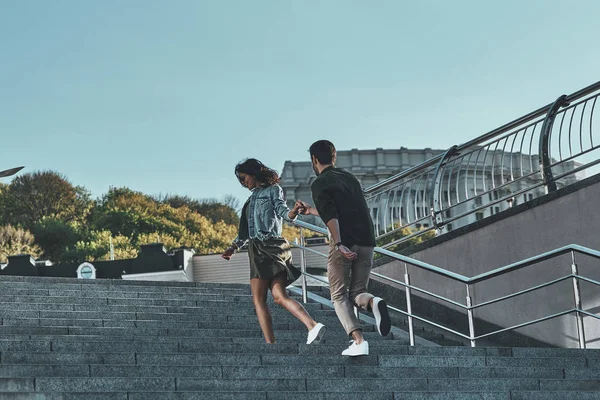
(324, 151)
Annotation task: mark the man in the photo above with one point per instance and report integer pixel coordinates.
(340, 203)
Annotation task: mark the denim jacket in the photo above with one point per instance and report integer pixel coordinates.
(262, 215)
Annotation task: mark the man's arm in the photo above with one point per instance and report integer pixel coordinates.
(334, 230)
(326, 208)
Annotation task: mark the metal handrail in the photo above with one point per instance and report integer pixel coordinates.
(423, 185)
(469, 307)
(461, 278)
(507, 162)
(485, 137)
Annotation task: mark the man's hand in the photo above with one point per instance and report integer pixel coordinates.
(298, 208)
(346, 252)
(228, 253)
(303, 207)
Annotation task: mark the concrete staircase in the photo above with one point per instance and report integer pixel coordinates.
(111, 339)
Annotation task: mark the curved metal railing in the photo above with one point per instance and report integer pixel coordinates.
(536, 154)
(469, 282)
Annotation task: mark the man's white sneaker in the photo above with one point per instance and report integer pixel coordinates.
(357, 349)
(382, 317)
(316, 334)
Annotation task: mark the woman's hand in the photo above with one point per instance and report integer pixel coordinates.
(296, 210)
(228, 253)
(303, 207)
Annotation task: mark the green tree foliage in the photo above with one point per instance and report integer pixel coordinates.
(15, 241)
(55, 236)
(125, 212)
(31, 197)
(291, 233)
(96, 246)
(50, 217)
(146, 220)
(211, 208)
(403, 232)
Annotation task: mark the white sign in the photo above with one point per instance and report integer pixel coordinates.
(86, 271)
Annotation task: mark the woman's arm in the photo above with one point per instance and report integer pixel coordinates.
(235, 246)
(281, 208)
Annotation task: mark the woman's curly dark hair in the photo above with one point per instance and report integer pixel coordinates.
(264, 175)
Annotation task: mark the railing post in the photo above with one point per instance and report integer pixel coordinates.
(577, 294)
(303, 267)
(411, 331)
(470, 316)
(545, 161)
(436, 208)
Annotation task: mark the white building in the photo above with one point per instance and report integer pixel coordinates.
(369, 166)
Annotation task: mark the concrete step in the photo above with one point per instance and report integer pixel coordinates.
(315, 384)
(195, 395)
(141, 338)
(98, 284)
(118, 292)
(184, 303)
(195, 334)
(66, 396)
(115, 340)
(257, 372)
(125, 313)
(172, 323)
(186, 346)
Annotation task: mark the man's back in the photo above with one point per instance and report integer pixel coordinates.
(338, 194)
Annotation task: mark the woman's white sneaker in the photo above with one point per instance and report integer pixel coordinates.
(382, 316)
(316, 334)
(357, 349)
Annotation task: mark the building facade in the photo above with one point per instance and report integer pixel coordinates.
(466, 186)
(369, 166)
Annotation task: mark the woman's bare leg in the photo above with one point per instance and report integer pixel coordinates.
(278, 285)
(260, 289)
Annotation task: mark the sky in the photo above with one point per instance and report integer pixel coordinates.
(165, 97)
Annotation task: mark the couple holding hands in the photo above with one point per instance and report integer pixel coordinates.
(340, 203)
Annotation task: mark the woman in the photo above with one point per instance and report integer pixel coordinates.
(270, 255)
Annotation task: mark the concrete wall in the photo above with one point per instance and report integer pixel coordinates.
(212, 268)
(566, 217)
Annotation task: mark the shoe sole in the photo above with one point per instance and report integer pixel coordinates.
(319, 336)
(355, 355)
(382, 316)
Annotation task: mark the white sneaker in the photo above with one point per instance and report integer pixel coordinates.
(357, 349)
(382, 317)
(316, 334)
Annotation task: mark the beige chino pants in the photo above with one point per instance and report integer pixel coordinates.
(348, 280)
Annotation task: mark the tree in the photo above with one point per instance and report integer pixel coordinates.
(125, 212)
(233, 202)
(14, 241)
(217, 211)
(291, 233)
(401, 232)
(31, 197)
(55, 237)
(96, 246)
(211, 208)
(144, 220)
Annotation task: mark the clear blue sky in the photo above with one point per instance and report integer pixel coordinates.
(167, 96)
